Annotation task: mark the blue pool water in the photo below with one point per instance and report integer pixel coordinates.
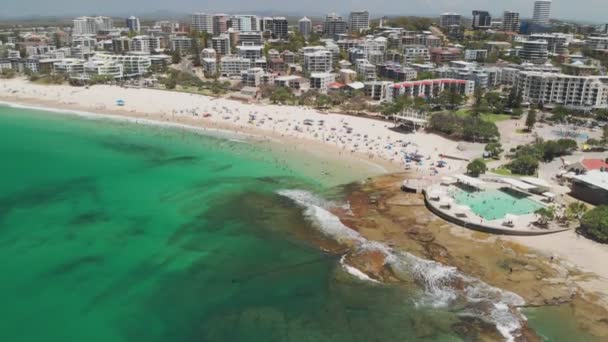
(495, 204)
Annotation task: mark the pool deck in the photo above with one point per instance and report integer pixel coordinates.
(521, 227)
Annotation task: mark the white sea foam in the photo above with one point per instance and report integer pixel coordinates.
(437, 279)
(356, 272)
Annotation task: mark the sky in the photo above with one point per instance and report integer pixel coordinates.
(582, 10)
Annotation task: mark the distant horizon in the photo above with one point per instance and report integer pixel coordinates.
(592, 11)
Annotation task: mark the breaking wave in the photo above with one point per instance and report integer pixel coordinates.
(443, 285)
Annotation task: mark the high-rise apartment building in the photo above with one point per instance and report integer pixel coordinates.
(91, 25)
(510, 21)
(334, 25)
(481, 19)
(305, 26)
(133, 24)
(358, 21)
(542, 12)
(220, 23)
(201, 22)
(279, 27)
(450, 19)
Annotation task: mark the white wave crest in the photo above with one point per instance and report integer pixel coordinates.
(437, 279)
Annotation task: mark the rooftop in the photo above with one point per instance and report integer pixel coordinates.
(596, 178)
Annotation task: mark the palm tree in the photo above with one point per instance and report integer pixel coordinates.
(545, 215)
(576, 210)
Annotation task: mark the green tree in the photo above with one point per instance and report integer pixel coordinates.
(170, 83)
(282, 95)
(476, 167)
(7, 73)
(545, 215)
(524, 165)
(560, 113)
(576, 210)
(531, 119)
(594, 224)
(494, 149)
(176, 57)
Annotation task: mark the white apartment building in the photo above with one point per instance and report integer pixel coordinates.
(475, 55)
(576, 92)
(101, 68)
(201, 22)
(69, 66)
(133, 24)
(181, 44)
(597, 43)
(450, 19)
(91, 25)
(319, 61)
(321, 81)
(221, 44)
(416, 54)
(358, 21)
(250, 38)
(208, 53)
(84, 40)
(305, 26)
(233, 65)
(144, 44)
(132, 65)
(366, 69)
(209, 65)
(510, 21)
(244, 23)
(542, 12)
(556, 42)
(252, 77)
(534, 50)
(250, 52)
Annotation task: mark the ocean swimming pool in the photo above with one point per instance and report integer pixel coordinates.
(496, 204)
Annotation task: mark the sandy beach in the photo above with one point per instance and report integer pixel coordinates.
(357, 137)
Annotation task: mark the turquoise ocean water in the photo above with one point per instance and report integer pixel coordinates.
(114, 231)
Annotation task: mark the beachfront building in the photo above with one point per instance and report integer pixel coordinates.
(450, 19)
(378, 90)
(334, 26)
(252, 77)
(305, 27)
(418, 54)
(591, 187)
(292, 82)
(220, 23)
(250, 52)
(233, 65)
(319, 61)
(98, 67)
(244, 23)
(69, 66)
(575, 92)
(430, 88)
(133, 24)
(510, 21)
(321, 81)
(201, 22)
(132, 65)
(358, 21)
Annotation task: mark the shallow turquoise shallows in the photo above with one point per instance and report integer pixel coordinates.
(117, 232)
(495, 204)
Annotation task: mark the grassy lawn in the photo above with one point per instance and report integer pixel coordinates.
(486, 116)
(502, 171)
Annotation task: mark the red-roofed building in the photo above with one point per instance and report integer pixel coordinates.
(589, 164)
